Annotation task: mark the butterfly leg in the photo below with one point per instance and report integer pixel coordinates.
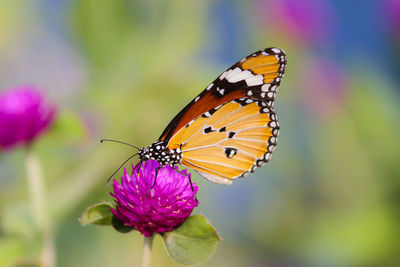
(191, 184)
(190, 180)
(139, 165)
(155, 179)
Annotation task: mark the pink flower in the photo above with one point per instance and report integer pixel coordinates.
(324, 86)
(392, 15)
(23, 116)
(307, 20)
(161, 209)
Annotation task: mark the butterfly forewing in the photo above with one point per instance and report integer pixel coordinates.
(257, 76)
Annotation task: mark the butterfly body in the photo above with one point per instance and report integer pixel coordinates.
(230, 129)
(160, 152)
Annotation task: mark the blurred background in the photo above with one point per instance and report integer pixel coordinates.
(122, 69)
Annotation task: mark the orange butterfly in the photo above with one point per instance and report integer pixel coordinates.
(230, 128)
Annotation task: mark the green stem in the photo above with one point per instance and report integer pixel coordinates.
(147, 246)
(39, 208)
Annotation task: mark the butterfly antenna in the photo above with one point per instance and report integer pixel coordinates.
(109, 178)
(116, 141)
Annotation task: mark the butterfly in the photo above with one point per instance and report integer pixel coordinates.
(230, 129)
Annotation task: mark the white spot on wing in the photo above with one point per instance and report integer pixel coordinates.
(223, 75)
(242, 75)
(265, 87)
(233, 72)
(255, 80)
(276, 50)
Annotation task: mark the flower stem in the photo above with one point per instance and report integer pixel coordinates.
(147, 246)
(39, 209)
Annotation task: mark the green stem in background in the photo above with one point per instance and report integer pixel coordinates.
(147, 246)
(39, 208)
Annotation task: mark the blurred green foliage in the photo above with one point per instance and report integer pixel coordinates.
(329, 196)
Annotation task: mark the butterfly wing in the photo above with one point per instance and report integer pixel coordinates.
(257, 76)
(230, 128)
(230, 143)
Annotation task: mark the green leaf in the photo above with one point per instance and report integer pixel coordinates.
(194, 242)
(97, 214)
(120, 226)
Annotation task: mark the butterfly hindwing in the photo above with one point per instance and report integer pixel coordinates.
(257, 76)
(234, 140)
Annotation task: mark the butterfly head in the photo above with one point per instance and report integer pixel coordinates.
(161, 153)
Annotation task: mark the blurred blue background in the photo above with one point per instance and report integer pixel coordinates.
(122, 69)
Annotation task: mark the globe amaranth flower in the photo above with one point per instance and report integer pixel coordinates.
(158, 209)
(23, 116)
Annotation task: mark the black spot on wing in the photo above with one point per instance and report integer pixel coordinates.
(227, 86)
(230, 152)
(208, 130)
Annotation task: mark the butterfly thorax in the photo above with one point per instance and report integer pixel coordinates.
(160, 152)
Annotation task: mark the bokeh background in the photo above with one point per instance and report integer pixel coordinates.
(122, 69)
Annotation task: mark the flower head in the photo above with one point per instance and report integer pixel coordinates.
(23, 116)
(158, 209)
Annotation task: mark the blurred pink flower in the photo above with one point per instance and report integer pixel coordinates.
(324, 86)
(392, 15)
(23, 116)
(306, 20)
